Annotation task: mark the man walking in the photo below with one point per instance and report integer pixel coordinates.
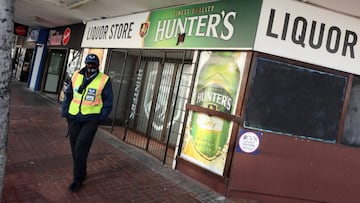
(88, 101)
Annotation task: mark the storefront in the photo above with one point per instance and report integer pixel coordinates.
(255, 99)
(62, 59)
(299, 134)
(22, 53)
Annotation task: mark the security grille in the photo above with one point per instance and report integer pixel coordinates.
(151, 98)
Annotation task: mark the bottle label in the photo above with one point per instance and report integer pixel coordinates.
(214, 98)
(209, 132)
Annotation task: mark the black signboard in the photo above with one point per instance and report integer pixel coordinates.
(294, 100)
(66, 36)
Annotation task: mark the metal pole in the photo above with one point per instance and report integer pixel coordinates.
(154, 100)
(174, 108)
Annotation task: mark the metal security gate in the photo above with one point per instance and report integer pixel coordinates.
(152, 112)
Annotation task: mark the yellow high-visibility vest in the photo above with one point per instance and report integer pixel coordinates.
(89, 102)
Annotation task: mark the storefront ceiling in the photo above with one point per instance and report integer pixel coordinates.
(54, 13)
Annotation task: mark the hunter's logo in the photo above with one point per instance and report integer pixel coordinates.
(144, 29)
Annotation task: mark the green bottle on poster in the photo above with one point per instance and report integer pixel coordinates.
(216, 89)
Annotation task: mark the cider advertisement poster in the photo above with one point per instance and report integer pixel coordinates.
(206, 139)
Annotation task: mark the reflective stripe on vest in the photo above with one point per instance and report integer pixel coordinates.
(90, 101)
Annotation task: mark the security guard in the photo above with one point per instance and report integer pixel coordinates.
(88, 101)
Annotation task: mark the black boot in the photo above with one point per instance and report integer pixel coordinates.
(75, 186)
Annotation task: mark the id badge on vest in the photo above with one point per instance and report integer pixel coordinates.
(90, 95)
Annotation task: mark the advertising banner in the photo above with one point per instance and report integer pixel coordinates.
(219, 25)
(307, 33)
(66, 36)
(32, 35)
(20, 29)
(118, 32)
(206, 139)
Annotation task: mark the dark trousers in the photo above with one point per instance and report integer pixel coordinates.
(81, 135)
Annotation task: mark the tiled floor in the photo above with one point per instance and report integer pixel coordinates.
(39, 163)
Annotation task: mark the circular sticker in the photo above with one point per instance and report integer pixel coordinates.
(249, 142)
(66, 37)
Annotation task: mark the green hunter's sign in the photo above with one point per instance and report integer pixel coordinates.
(220, 24)
(226, 24)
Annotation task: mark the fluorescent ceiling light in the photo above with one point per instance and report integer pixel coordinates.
(78, 3)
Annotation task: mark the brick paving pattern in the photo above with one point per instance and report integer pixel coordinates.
(39, 163)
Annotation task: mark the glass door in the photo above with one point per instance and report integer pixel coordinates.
(55, 64)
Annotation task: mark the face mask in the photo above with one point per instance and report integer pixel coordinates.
(91, 68)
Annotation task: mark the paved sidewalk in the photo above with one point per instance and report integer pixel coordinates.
(39, 163)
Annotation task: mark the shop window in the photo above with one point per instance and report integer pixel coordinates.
(173, 71)
(294, 100)
(351, 134)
